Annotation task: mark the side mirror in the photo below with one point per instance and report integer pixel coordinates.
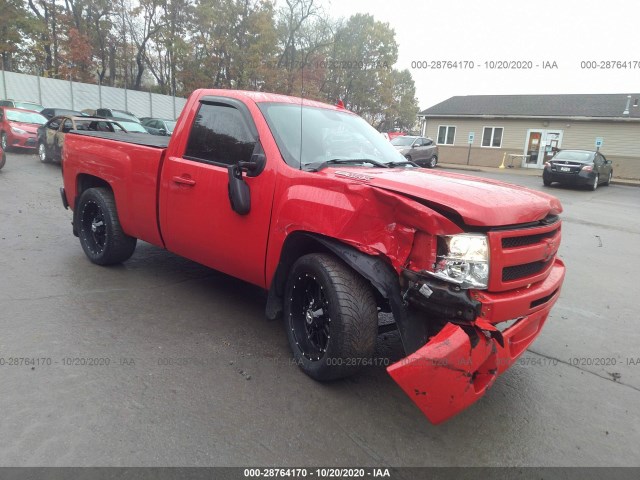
(239, 194)
(609, 162)
(162, 131)
(254, 166)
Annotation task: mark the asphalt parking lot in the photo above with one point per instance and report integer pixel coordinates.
(162, 362)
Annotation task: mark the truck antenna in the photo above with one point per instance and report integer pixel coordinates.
(301, 101)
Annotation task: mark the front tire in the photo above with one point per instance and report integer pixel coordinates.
(330, 316)
(42, 153)
(101, 235)
(546, 183)
(608, 182)
(3, 142)
(3, 159)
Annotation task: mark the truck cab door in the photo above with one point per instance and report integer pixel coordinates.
(197, 220)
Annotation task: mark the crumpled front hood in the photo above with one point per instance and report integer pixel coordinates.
(479, 201)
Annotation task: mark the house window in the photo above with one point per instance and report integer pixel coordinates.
(492, 137)
(446, 134)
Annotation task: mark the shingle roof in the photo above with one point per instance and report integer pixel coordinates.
(573, 105)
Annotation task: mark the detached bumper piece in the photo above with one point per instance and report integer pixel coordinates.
(459, 364)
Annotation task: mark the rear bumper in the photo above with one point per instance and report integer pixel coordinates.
(457, 366)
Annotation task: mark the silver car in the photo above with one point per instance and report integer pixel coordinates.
(420, 150)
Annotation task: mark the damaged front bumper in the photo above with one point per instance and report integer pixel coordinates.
(457, 365)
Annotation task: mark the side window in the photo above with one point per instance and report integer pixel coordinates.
(54, 124)
(219, 135)
(428, 142)
(67, 125)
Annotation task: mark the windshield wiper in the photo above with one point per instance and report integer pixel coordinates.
(316, 167)
(403, 162)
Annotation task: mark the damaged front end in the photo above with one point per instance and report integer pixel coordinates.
(469, 287)
(468, 336)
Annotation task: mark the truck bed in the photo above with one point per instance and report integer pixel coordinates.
(130, 164)
(148, 140)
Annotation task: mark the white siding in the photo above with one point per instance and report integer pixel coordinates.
(620, 138)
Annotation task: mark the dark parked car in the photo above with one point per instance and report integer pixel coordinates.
(578, 167)
(420, 150)
(113, 114)
(51, 135)
(18, 127)
(160, 126)
(23, 105)
(131, 126)
(56, 112)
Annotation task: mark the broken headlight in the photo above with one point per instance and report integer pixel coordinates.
(463, 259)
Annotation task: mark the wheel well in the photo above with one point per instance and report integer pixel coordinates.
(85, 182)
(297, 245)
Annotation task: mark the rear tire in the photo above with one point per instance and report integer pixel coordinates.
(595, 182)
(42, 153)
(3, 159)
(433, 162)
(331, 317)
(101, 235)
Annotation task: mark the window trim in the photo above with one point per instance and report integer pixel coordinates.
(446, 134)
(245, 115)
(493, 132)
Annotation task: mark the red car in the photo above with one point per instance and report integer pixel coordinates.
(19, 128)
(311, 203)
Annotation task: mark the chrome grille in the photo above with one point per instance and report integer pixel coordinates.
(523, 254)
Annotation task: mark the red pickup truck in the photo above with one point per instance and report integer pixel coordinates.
(312, 204)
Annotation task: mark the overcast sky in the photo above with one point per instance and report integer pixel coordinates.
(564, 31)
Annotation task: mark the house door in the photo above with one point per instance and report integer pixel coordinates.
(540, 146)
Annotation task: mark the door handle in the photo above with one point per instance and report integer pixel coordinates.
(184, 181)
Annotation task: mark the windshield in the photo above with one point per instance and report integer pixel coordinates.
(582, 157)
(29, 106)
(25, 117)
(403, 141)
(326, 135)
(132, 126)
